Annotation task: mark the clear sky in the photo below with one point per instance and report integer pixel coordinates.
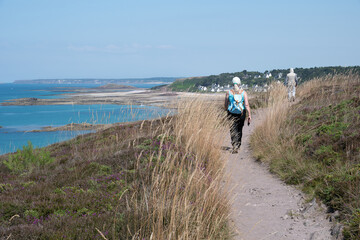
(124, 38)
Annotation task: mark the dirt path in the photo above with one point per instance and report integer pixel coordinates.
(263, 207)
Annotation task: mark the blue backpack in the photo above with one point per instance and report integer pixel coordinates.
(236, 102)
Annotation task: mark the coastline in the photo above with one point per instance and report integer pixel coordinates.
(154, 98)
(73, 127)
(104, 96)
(15, 134)
(133, 97)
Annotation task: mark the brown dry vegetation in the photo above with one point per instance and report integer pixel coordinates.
(316, 143)
(156, 179)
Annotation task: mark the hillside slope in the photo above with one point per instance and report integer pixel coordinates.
(315, 143)
(266, 208)
(158, 179)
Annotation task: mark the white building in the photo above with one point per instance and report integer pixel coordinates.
(202, 88)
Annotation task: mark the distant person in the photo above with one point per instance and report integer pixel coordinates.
(291, 81)
(237, 104)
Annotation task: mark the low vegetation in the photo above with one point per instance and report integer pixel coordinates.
(28, 159)
(156, 179)
(315, 143)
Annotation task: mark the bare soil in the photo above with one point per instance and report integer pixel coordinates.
(263, 207)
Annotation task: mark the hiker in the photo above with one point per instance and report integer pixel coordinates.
(237, 104)
(291, 81)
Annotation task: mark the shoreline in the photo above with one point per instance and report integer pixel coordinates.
(133, 97)
(104, 96)
(142, 97)
(73, 127)
(89, 96)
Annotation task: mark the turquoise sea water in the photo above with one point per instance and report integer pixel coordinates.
(17, 120)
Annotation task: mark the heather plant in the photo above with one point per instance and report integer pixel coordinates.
(315, 143)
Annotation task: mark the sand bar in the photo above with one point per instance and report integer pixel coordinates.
(132, 97)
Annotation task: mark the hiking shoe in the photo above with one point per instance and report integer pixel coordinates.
(235, 150)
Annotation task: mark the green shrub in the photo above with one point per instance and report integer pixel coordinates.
(28, 184)
(99, 169)
(60, 212)
(27, 159)
(84, 211)
(31, 213)
(5, 187)
(352, 230)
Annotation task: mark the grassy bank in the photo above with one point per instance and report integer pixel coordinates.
(156, 179)
(315, 143)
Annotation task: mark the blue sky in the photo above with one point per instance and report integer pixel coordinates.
(122, 39)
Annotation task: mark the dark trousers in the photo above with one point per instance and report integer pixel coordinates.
(237, 124)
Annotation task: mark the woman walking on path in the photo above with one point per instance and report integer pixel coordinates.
(237, 104)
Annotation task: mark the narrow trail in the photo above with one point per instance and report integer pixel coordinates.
(263, 207)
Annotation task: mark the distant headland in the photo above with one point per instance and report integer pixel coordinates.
(153, 80)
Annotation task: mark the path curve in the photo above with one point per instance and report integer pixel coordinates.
(263, 207)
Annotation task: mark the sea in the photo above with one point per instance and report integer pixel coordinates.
(17, 121)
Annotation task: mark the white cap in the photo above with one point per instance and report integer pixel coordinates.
(236, 80)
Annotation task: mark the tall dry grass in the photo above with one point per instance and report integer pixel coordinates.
(274, 116)
(330, 88)
(184, 198)
(318, 92)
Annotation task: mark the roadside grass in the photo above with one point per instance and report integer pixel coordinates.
(315, 143)
(158, 179)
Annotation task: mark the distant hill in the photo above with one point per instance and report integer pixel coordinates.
(256, 78)
(115, 86)
(154, 80)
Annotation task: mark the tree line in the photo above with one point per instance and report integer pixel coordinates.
(252, 78)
